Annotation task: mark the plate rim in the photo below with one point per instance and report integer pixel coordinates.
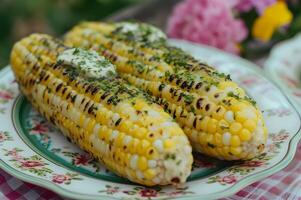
(272, 75)
(224, 193)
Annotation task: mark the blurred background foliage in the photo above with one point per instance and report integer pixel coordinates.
(19, 18)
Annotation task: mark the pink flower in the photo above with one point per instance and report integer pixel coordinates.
(40, 128)
(14, 153)
(252, 163)
(31, 163)
(60, 178)
(271, 148)
(112, 190)
(228, 179)
(259, 5)
(3, 137)
(208, 22)
(279, 137)
(82, 159)
(148, 193)
(5, 95)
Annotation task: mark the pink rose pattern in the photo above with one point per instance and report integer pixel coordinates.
(227, 179)
(36, 165)
(65, 178)
(6, 95)
(146, 193)
(4, 136)
(82, 159)
(209, 22)
(33, 164)
(223, 180)
(59, 178)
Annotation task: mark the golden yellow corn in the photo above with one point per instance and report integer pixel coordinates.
(116, 123)
(214, 112)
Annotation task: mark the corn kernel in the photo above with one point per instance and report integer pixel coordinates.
(202, 136)
(119, 139)
(139, 132)
(100, 116)
(149, 174)
(219, 112)
(133, 146)
(229, 116)
(133, 161)
(250, 124)
(212, 126)
(237, 106)
(235, 127)
(125, 125)
(235, 141)
(209, 139)
(139, 105)
(81, 120)
(226, 138)
(168, 143)
(90, 126)
(226, 150)
(218, 140)
(240, 117)
(142, 163)
(222, 126)
(235, 150)
(245, 135)
(204, 123)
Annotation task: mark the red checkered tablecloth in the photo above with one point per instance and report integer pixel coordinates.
(285, 184)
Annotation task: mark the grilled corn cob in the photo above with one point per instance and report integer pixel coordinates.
(119, 125)
(214, 112)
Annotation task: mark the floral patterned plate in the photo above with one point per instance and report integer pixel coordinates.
(284, 67)
(33, 150)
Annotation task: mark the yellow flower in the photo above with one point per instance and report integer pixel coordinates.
(272, 18)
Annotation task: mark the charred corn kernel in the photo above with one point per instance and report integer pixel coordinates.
(219, 113)
(245, 135)
(201, 100)
(99, 111)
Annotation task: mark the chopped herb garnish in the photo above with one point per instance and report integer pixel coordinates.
(76, 51)
(188, 99)
(249, 99)
(170, 156)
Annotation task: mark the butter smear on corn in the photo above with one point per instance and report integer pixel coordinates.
(92, 64)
